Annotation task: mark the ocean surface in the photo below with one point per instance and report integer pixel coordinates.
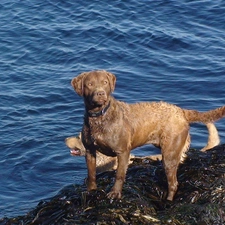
(170, 50)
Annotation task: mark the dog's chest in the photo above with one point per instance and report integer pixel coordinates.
(97, 135)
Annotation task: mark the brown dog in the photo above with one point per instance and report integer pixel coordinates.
(115, 128)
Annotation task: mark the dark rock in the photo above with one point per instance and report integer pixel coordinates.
(200, 198)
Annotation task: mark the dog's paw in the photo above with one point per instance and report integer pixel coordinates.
(114, 194)
(90, 185)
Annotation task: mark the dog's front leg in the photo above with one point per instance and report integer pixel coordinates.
(91, 166)
(116, 191)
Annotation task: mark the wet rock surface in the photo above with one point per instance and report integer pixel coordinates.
(200, 198)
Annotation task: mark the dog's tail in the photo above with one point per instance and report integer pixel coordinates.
(207, 118)
(213, 138)
(211, 116)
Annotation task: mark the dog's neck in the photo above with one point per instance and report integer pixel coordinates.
(90, 113)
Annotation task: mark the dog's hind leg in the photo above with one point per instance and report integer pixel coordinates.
(173, 153)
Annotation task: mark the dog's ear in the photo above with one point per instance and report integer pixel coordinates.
(77, 83)
(112, 80)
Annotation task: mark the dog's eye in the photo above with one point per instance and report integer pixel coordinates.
(105, 82)
(89, 84)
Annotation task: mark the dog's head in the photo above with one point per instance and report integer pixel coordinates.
(75, 145)
(95, 87)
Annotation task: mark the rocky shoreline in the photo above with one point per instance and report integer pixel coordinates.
(200, 198)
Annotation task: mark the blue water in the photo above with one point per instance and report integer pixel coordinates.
(159, 50)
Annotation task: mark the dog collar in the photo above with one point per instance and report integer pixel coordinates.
(100, 113)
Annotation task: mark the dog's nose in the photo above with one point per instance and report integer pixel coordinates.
(100, 93)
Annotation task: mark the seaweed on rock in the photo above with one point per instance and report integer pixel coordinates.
(200, 198)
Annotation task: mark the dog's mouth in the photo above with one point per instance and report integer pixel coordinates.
(99, 102)
(75, 152)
